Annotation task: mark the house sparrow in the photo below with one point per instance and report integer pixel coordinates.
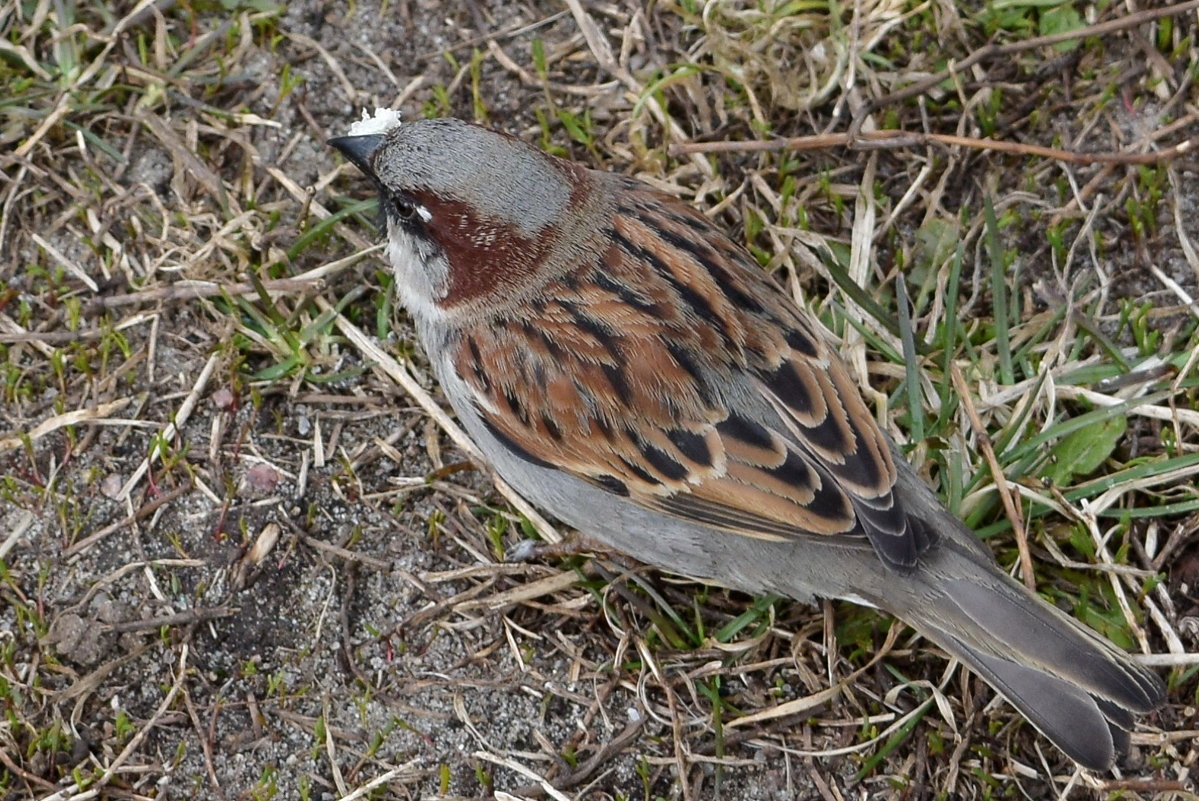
(626, 366)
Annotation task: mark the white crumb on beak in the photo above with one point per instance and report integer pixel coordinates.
(382, 121)
(424, 213)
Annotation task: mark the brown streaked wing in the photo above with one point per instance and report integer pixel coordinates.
(733, 474)
(617, 376)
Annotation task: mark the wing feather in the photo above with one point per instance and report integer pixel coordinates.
(671, 371)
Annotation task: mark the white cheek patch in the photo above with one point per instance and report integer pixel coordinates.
(420, 274)
(424, 213)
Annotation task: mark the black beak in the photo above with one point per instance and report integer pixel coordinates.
(359, 149)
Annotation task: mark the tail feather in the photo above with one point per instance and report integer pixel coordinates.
(1017, 622)
(1078, 689)
(1090, 730)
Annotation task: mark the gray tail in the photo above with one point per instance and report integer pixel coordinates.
(1076, 688)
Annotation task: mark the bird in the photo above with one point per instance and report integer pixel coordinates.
(625, 365)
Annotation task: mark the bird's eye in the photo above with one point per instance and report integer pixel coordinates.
(405, 209)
